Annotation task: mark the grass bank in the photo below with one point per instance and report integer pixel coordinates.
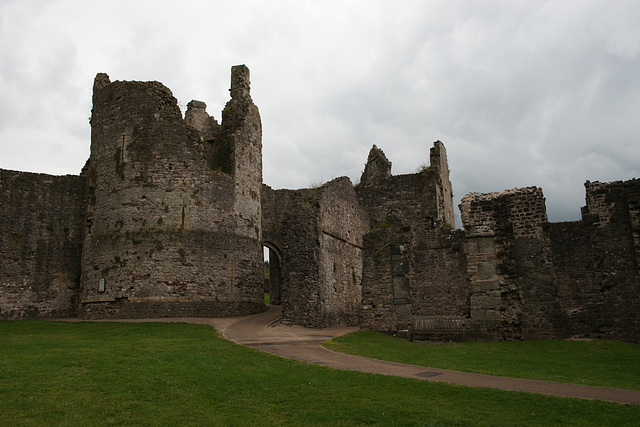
(602, 363)
(57, 373)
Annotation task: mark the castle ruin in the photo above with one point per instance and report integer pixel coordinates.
(170, 215)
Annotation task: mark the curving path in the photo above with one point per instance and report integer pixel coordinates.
(303, 344)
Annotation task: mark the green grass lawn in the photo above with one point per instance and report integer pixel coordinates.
(57, 373)
(602, 363)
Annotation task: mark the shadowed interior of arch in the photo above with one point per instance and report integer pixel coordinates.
(272, 273)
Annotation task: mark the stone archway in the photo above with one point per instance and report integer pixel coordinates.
(275, 273)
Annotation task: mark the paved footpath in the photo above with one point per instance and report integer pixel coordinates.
(304, 344)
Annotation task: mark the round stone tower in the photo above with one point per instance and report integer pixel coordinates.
(168, 233)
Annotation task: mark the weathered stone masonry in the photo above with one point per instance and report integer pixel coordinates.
(318, 233)
(163, 221)
(412, 231)
(40, 244)
(533, 279)
(169, 217)
(510, 265)
(170, 231)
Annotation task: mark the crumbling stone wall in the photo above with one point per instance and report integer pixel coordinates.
(242, 131)
(534, 280)
(319, 233)
(423, 199)
(289, 224)
(386, 290)
(417, 256)
(41, 228)
(439, 281)
(166, 235)
(513, 294)
(574, 266)
(377, 168)
(613, 211)
(342, 224)
(207, 126)
(596, 264)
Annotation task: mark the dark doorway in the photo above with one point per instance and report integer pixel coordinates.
(273, 269)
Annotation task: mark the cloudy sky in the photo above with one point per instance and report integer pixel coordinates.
(522, 93)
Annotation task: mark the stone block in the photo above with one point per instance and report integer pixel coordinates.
(487, 271)
(403, 311)
(488, 285)
(401, 287)
(492, 314)
(470, 247)
(475, 301)
(485, 245)
(493, 324)
(478, 314)
(491, 302)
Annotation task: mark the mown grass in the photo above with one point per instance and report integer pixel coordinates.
(602, 363)
(57, 373)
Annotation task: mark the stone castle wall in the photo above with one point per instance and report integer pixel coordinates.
(342, 224)
(170, 215)
(535, 280)
(414, 263)
(574, 266)
(440, 283)
(318, 232)
(423, 199)
(613, 213)
(290, 224)
(386, 294)
(510, 264)
(41, 230)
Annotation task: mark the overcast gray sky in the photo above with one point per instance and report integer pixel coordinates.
(522, 93)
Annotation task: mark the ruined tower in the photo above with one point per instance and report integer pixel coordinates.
(173, 212)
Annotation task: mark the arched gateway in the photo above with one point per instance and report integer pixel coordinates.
(275, 272)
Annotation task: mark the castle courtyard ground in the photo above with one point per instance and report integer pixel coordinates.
(264, 332)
